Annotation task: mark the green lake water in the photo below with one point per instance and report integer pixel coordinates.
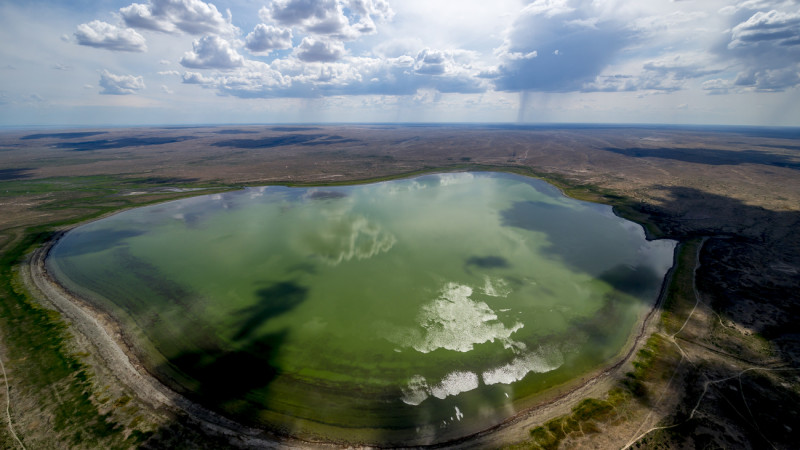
(406, 311)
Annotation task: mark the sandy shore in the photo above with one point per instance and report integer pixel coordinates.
(114, 352)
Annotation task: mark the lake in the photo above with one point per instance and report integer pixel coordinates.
(406, 311)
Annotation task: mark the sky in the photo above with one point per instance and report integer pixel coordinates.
(110, 62)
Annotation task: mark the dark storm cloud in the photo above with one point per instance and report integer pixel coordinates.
(773, 27)
(559, 47)
(767, 44)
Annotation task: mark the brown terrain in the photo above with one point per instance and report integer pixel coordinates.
(717, 365)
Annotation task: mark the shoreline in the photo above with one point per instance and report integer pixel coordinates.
(115, 352)
(111, 348)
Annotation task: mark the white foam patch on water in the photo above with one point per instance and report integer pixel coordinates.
(497, 287)
(454, 322)
(418, 390)
(459, 414)
(541, 361)
(455, 383)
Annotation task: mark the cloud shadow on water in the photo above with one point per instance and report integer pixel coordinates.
(751, 238)
(488, 262)
(636, 281)
(222, 378)
(273, 301)
(561, 225)
(234, 379)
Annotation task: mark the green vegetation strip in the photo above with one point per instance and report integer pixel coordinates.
(680, 298)
(654, 363)
(35, 344)
(43, 371)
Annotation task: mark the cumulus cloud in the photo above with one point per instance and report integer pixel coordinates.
(212, 52)
(254, 80)
(338, 19)
(773, 27)
(520, 55)
(666, 74)
(100, 34)
(174, 16)
(439, 62)
(549, 46)
(291, 77)
(120, 84)
(612, 83)
(316, 16)
(681, 67)
(559, 46)
(717, 86)
(754, 5)
(772, 80)
(378, 9)
(319, 50)
(198, 78)
(766, 44)
(431, 62)
(265, 38)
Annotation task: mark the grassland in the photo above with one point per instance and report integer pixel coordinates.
(719, 368)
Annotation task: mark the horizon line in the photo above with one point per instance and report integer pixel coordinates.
(406, 124)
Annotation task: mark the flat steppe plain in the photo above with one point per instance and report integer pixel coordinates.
(716, 366)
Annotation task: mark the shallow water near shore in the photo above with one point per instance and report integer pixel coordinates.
(414, 311)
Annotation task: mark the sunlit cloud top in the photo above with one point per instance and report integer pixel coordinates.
(181, 61)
